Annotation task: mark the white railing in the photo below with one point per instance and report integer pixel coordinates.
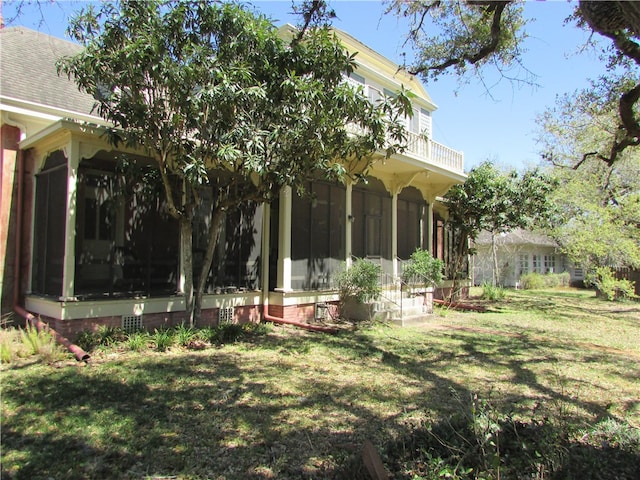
(435, 152)
(426, 150)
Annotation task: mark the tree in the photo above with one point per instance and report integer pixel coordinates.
(598, 215)
(468, 35)
(498, 202)
(222, 103)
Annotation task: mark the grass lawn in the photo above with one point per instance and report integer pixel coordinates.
(559, 365)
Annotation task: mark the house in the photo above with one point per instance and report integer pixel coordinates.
(78, 254)
(519, 252)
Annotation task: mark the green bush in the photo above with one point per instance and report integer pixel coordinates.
(537, 281)
(608, 286)
(422, 269)
(163, 339)
(137, 341)
(361, 282)
(492, 292)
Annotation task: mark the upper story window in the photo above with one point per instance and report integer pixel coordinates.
(419, 123)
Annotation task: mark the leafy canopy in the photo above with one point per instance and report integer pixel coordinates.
(598, 205)
(227, 106)
(212, 90)
(465, 36)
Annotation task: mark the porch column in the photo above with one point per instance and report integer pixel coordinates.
(430, 225)
(264, 248)
(72, 152)
(284, 240)
(348, 221)
(394, 233)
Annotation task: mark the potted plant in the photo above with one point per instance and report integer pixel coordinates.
(358, 289)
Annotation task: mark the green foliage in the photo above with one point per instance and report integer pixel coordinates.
(608, 286)
(10, 345)
(538, 281)
(468, 28)
(598, 204)
(220, 100)
(40, 343)
(184, 335)
(360, 282)
(495, 201)
(422, 269)
(137, 341)
(478, 442)
(162, 339)
(492, 292)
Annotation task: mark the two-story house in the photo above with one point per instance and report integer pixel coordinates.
(80, 255)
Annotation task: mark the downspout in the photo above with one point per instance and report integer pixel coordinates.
(78, 352)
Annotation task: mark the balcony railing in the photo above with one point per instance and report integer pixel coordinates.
(434, 152)
(427, 150)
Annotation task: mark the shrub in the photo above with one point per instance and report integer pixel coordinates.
(609, 287)
(184, 335)
(40, 342)
(162, 339)
(422, 269)
(492, 292)
(10, 345)
(137, 341)
(537, 281)
(360, 282)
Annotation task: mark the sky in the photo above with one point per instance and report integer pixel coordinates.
(490, 119)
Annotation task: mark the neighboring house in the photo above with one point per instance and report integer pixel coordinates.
(519, 252)
(85, 256)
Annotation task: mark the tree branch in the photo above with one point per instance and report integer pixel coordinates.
(496, 8)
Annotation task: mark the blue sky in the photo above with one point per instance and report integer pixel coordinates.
(494, 120)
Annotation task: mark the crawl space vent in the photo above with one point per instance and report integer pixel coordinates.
(131, 323)
(225, 315)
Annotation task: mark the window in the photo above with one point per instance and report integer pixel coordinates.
(549, 263)
(536, 263)
(425, 122)
(523, 263)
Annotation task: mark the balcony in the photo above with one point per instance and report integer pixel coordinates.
(427, 151)
(434, 153)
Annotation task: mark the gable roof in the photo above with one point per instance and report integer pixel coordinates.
(28, 73)
(517, 237)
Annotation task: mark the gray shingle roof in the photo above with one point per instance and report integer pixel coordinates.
(517, 237)
(28, 70)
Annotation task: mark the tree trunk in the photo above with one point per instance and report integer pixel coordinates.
(217, 217)
(186, 247)
(494, 256)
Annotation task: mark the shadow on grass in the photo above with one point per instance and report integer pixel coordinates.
(224, 413)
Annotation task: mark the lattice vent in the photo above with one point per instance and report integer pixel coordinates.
(131, 323)
(225, 315)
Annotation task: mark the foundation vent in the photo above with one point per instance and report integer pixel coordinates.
(321, 311)
(225, 315)
(131, 323)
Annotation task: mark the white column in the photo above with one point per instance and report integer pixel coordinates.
(394, 233)
(348, 221)
(72, 152)
(430, 225)
(284, 240)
